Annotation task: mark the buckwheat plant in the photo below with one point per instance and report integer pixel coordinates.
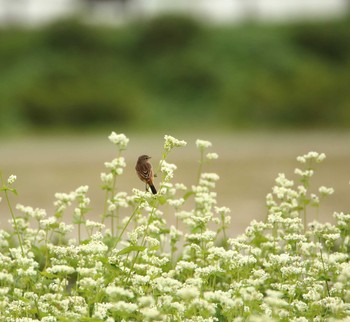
(132, 265)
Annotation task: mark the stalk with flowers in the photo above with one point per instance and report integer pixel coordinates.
(134, 266)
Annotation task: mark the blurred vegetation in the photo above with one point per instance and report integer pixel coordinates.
(175, 72)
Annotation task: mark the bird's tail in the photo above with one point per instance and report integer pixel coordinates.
(154, 190)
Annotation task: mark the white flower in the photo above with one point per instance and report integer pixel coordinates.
(64, 228)
(304, 174)
(12, 178)
(152, 242)
(171, 142)
(94, 224)
(6, 277)
(146, 301)
(168, 169)
(115, 291)
(100, 310)
(188, 293)
(176, 202)
(166, 284)
(210, 176)
(312, 295)
(326, 191)
(312, 155)
(212, 156)
(203, 144)
(320, 157)
(282, 181)
(61, 269)
(150, 313)
(116, 166)
(124, 307)
(119, 140)
(36, 213)
(45, 223)
(222, 210)
(107, 179)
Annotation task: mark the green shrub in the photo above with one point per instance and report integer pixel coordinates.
(328, 41)
(73, 74)
(166, 35)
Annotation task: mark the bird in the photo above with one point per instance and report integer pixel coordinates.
(145, 172)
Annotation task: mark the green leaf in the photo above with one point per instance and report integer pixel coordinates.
(13, 190)
(162, 200)
(5, 188)
(130, 249)
(188, 194)
(324, 277)
(48, 275)
(154, 248)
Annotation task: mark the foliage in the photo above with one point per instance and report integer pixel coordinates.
(72, 75)
(138, 268)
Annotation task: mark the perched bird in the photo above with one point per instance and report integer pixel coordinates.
(145, 172)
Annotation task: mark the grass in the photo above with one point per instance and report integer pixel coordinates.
(133, 264)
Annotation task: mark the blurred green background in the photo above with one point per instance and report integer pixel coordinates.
(174, 71)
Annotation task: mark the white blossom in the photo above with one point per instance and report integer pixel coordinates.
(171, 142)
(11, 179)
(212, 156)
(120, 140)
(203, 144)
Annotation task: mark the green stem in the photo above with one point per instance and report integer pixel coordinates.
(324, 270)
(305, 218)
(200, 165)
(14, 219)
(142, 242)
(105, 208)
(126, 225)
(112, 223)
(79, 233)
(224, 230)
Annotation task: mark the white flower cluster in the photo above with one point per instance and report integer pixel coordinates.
(168, 170)
(311, 156)
(202, 144)
(116, 166)
(148, 270)
(11, 179)
(120, 140)
(171, 142)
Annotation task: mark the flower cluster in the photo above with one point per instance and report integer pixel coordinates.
(137, 267)
(171, 142)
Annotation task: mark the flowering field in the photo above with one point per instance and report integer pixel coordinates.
(140, 268)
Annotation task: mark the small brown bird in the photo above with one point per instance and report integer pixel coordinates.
(145, 172)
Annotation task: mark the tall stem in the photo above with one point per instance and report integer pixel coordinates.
(201, 161)
(15, 221)
(5, 189)
(142, 242)
(126, 225)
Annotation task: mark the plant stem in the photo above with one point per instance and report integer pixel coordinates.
(201, 161)
(126, 225)
(105, 208)
(324, 270)
(14, 219)
(142, 242)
